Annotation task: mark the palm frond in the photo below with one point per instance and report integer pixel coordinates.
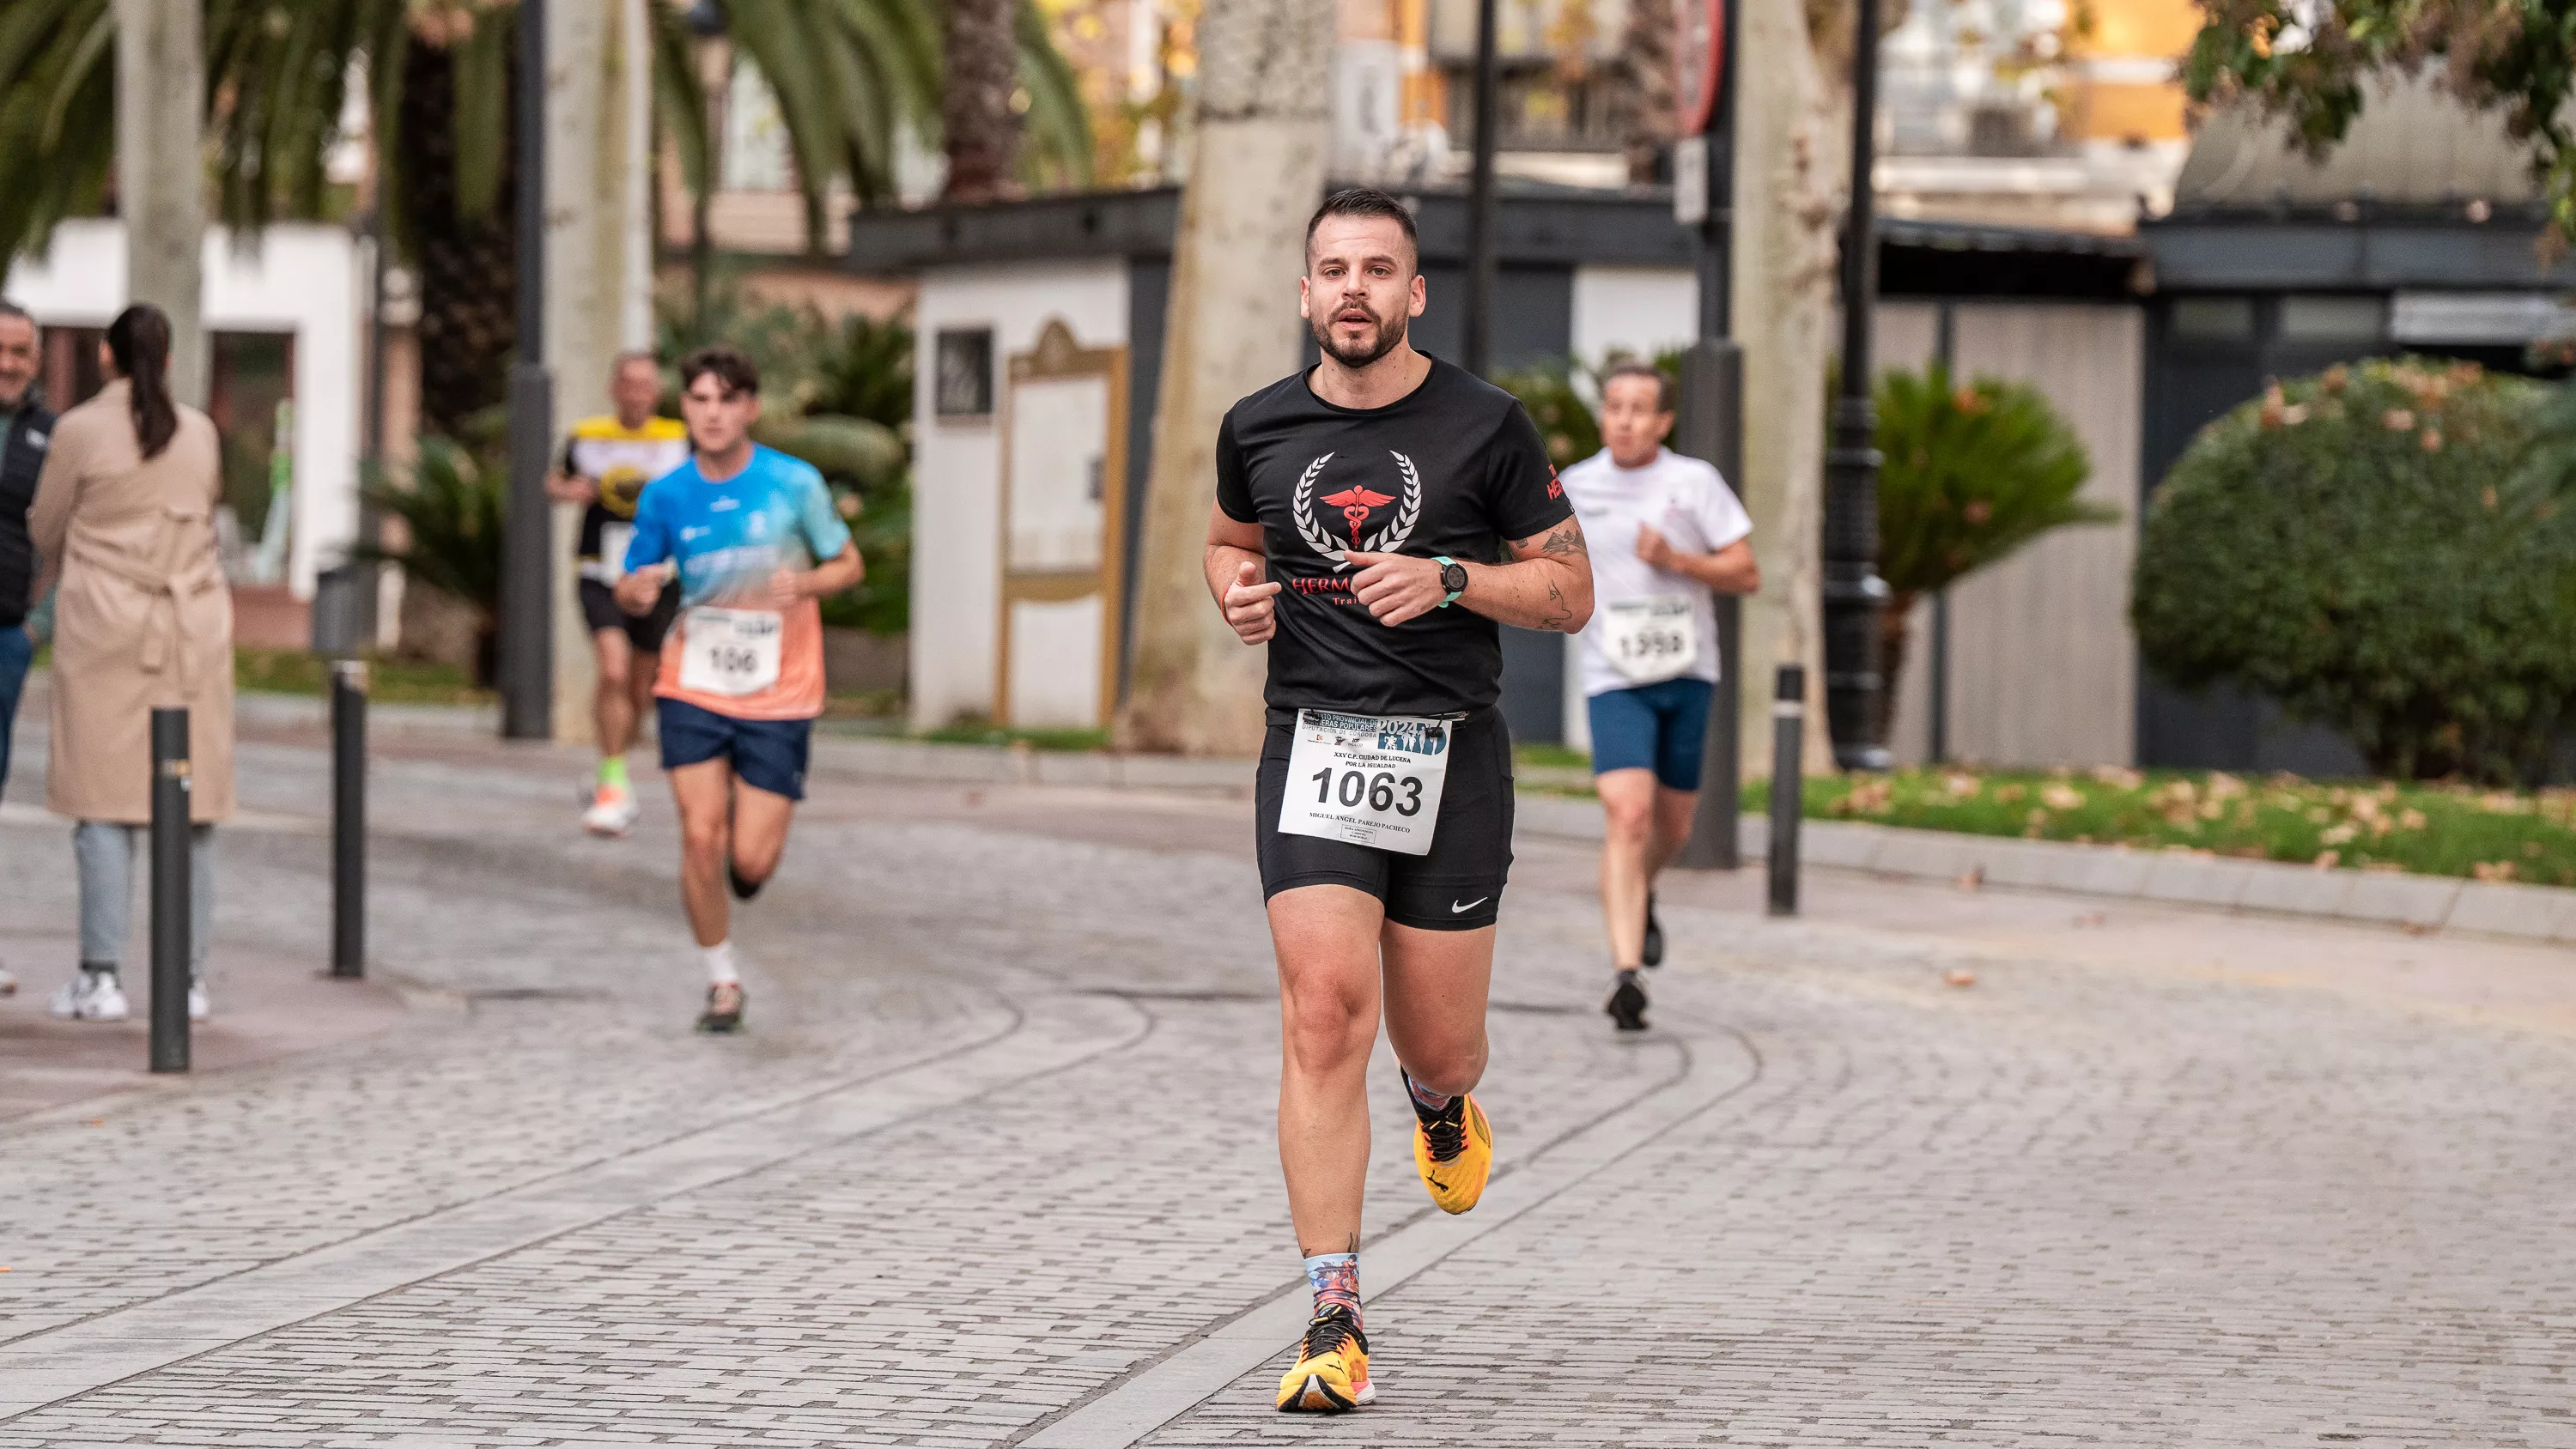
(1058, 135)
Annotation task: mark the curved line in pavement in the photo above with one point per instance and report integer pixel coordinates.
(1187, 1374)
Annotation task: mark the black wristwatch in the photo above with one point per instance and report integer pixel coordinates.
(1453, 577)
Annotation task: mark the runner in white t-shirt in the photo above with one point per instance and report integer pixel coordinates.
(1665, 532)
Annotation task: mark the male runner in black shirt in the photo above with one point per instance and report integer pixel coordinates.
(1374, 518)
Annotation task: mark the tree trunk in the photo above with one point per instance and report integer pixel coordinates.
(1257, 168)
(468, 269)
(1792, 105)
(981, 68)
(1642, 100)
(597, 295)
(161, 172)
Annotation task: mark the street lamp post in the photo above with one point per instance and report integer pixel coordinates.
(1475, 335)
(1854, 594)
(527, 562)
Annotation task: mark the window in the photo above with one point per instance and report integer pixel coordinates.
(2333, 319)
(2212, 319)
(962, 383)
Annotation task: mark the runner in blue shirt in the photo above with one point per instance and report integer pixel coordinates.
(754, 540)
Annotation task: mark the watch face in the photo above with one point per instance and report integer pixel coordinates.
(1453, 577)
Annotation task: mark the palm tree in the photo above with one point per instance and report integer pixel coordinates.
(848, 74)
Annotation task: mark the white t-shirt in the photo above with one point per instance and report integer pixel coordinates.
(1686, 502)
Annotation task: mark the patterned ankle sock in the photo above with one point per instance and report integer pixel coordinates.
(1335, 1278)
(1426, 1103)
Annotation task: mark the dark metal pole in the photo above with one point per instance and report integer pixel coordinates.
(1945, 350)
(527, 577)
(1854, 594)
(170, 890)
(348, 818)
(1788, 784)
(1712, 428)
(1475, 334)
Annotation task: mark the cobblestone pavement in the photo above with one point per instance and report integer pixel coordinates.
(994, 1165)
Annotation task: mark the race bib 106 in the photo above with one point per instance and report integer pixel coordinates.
(1367, 779)
(1652, 639)
(731, 652)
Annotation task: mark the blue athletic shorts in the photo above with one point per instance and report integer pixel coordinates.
(1659, 727)
(767, 754)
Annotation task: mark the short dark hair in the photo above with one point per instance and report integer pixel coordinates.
(1631, 367)
(1366, 201)
(632, 356)
(727, 363)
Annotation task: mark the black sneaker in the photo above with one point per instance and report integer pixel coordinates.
(743, 890)
(1653, 955)
(1628, 1003)
(724, 1008)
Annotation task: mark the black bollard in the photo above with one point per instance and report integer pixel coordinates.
(348, 818)
(170, 904)
(1788, 785)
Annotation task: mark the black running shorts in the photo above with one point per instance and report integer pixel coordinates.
(1457, 887)
(599, 610)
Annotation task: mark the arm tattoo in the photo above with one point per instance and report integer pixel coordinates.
(1558, 616)
(1565, 540)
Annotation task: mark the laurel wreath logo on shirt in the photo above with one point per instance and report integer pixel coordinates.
(1356, 504)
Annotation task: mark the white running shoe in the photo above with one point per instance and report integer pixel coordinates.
(199, 1008)
(90, 996)
(612, 811)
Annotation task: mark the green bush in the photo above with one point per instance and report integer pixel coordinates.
(1559, 393)
(2374, 548)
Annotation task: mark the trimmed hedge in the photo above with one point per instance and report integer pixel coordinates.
(2373, 548)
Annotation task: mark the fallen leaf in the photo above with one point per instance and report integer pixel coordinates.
(2326, 859)
(2091, 918)
(1957, 977)
(1973, 880)
(2415, 928)
(2062, 797)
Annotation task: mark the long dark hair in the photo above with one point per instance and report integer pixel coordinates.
(139, 340)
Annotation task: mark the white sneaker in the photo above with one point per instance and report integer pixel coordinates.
(90, 996)
(612, 811)
(199, 1009)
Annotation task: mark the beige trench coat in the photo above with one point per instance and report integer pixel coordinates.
(143, 619)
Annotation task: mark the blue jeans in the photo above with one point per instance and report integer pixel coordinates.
(17, 651)
(104, 851)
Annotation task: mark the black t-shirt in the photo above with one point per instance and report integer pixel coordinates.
(1453, 468)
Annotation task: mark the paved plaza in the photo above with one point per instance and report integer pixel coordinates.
(994, 1163)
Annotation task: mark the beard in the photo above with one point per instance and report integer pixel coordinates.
(1377, 345)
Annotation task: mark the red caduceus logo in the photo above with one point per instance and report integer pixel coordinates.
(1355, 504)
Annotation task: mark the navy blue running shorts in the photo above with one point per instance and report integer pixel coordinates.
(1659, 727)
(767, 754)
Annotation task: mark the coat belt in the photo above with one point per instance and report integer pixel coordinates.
(169, 590)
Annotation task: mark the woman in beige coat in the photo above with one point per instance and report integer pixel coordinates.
(124, 519)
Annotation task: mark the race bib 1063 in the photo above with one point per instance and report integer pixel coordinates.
(731, 652)
(1652, 639)
(1367, 779)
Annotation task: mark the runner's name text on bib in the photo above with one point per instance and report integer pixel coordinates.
(1367, 779)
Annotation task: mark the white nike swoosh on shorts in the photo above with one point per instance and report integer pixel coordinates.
(1456, 909)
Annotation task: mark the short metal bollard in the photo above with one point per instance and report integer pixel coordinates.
(170, 890)
(348, 818)
(1788, 785)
